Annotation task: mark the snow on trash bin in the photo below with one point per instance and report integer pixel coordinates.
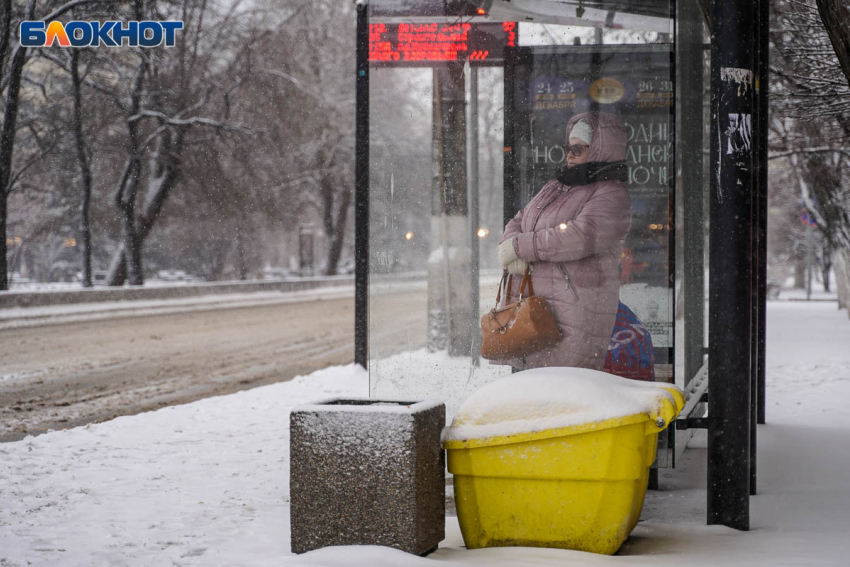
(556, 457)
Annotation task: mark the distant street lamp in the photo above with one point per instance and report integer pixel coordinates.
(483, 232)
(408, 236)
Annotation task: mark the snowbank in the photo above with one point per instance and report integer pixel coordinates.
(17, 317)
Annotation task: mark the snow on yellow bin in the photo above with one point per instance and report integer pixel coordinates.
(556, 457)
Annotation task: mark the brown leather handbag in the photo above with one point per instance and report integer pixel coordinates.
(520, 328)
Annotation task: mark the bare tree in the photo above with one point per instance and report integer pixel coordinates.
(11, 72)
(836, 22)
(237, 138)
(811, 125)
(310, 69)
(173, 93)
(12, 63)
(85, 169)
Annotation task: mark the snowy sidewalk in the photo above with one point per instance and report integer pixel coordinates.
(208, 483)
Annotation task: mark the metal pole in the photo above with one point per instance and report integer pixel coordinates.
(809, 246)
(732, 65)
(760, 122)
(442, 190)
(474, 262)
(510, 190)
(361, 190)
(754, 303)
(689, 165)
(764, 112)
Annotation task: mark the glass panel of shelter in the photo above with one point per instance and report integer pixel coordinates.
(435, 220)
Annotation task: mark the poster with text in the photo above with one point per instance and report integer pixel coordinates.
(635, 82)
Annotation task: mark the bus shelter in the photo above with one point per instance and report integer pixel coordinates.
(461, 115)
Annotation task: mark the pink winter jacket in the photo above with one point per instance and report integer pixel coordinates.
(574, 237)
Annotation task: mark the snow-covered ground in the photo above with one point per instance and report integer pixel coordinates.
(207, 483)
(19, 284)
(819, 293)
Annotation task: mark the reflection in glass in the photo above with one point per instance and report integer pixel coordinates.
(436, 220)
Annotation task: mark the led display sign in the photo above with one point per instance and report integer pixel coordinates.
(424, 44)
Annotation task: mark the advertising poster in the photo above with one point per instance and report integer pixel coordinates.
(552, 84)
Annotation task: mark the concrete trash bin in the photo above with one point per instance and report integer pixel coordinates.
(556, 457)
(367, 472)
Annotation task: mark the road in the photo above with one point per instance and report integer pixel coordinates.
(64, 374)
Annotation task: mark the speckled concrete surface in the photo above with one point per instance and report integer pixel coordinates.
(373, 475)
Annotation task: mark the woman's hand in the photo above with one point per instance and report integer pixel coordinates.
(509, 260)
(518, 267)
(507, 254)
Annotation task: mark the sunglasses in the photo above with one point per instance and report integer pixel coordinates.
(577, 150)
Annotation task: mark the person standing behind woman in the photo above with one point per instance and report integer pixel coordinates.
(571, 235)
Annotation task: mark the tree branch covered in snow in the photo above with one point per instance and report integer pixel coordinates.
(813, 105)
(205, 156)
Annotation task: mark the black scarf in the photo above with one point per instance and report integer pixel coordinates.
(591, 172)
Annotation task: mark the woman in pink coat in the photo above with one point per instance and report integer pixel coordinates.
(571, 234)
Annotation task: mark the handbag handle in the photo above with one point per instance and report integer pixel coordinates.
(505, 276)
(526, 278)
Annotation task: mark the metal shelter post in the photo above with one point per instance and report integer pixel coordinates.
(449, 296)
(764, 106)
(759, 231)
(755, 236)
(361, 189)
(510, 205)
(689, 163)
(474, 222)
(730, 312)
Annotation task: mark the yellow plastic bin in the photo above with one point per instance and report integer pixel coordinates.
(534, 465)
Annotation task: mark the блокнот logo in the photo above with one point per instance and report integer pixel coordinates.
(93, 34)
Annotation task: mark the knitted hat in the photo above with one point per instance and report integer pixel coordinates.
(582, 131)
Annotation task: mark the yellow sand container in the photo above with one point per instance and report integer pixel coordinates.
(580, 487)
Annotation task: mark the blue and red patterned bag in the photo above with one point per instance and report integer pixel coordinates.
(630, 350)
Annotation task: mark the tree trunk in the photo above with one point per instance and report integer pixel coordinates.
(335, 230)
(118, 272)
(800, 273)
(125, 201)
(117, 268)
(85, 170)
(241, 267)
(164, 172)
(128, 185)
(5, 162)
(5, 31)
(836, 20)
(4, 278)
(842, 278)
(826, 269)
(7, 148)
(132, 247)
(85, 236)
